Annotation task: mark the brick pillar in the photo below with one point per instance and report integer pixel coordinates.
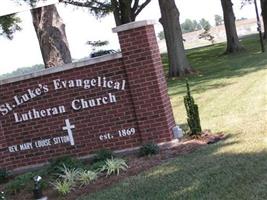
(146, 80)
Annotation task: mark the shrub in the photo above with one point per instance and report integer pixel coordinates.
(70, 163)
(21, 182)
(63, 187)
(149, 149)
(193, 119)
(102, 155)
(3, 175)
(96, 166)
(87, 176)
(114, 165)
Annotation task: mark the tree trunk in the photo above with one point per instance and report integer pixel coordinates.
(233, 44)
(126, 11)
(122, 11)
(178, 63)
(264, 16)
(116, 12)
(125, 8)
(51, 34)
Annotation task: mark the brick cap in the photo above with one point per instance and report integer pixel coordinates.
(133, 25)
(51, 70)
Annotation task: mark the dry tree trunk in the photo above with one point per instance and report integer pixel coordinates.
(51, 34)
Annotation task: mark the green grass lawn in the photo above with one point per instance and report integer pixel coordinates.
(231, 92)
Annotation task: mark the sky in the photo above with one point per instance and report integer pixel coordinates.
(24, 50)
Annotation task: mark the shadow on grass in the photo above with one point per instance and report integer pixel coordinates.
(203, 174)
(214, 69)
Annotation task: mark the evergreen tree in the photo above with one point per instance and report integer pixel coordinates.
(193, 119)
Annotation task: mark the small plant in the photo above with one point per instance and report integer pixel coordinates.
(114, 165)
(63, 187)
(69, 175)
(96, 166)
(21, 182)
(149, 149)
(102, 155)
(70, 163)
(87, 176)
(3, 175)
(193, 119)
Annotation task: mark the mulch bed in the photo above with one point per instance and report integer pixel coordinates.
(136, 166)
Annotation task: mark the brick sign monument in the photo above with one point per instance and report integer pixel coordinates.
(117, 101)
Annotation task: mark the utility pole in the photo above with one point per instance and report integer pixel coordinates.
(259, 26)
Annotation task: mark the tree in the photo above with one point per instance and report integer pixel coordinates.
(161, 35)
(178, 63)
(233, 44)
(187, 26)
(22, 71)
(196, 25)
(124, 11)
(50, 31)
(190, 26)
(218, 20)
(204, 24)
(9, 24)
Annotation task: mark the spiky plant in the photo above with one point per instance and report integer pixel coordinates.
(69, 175)
(193, 119)
(63, 187)
(114, 165)
(87, 176)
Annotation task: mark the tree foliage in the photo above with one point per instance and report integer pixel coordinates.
(161, 35)
(193, 25)
(124, 11)
(9, 24)
(218, 20)
(204, 24)
(245, 2)
(99, 8)
(22, 71)
(190, 26)
(96, 44)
